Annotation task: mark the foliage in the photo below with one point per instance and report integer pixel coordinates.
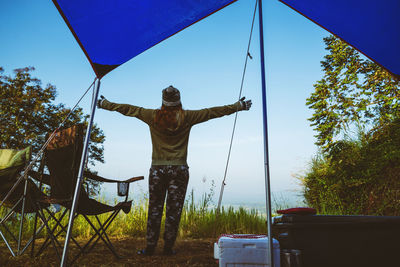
(27, 114)
(360, 176)
(352, 90)
(354, 175)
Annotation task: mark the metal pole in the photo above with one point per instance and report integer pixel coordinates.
(21, 226)
(265, 123)
(64, 258)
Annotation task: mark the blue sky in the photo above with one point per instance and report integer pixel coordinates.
(205, 61)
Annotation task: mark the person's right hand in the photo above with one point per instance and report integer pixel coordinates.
(246, 104)
(100, 101)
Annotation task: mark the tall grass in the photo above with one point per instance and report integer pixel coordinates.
(199, 220)
(203, 220)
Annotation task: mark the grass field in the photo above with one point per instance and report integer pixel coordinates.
(199, 220)
(200, 226)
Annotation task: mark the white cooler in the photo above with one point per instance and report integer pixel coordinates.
(245, 250)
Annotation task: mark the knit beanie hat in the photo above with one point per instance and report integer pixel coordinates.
(171, 96)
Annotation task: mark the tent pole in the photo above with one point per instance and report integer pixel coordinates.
(79, 181)
(265, 123)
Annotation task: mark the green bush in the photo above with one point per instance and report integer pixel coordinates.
(360, 176)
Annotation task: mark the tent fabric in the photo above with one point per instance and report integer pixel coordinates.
(112, 32)
(370, 26)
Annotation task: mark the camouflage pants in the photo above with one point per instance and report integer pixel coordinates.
(171, 181)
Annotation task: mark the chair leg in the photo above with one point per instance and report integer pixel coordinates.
(98, 234)
(9, 232)
(2, 222)
(5, 218)
(64, 229)
(102, 230)
(45, 223)
(11, 212)
(109, 219)
(34, 237)
(55, 236)
(19, 239)
(21, 226)
(7, 244)
(50, 233)
(35, 230)
(58, 223)
(37, 205)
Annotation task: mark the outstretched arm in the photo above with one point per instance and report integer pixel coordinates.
(202, 115)
(127, 110)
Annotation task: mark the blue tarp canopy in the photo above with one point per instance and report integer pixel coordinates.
(111, 32)
(370, 26)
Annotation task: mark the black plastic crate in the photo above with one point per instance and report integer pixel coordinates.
(327, 240)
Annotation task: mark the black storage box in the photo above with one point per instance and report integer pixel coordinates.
(327, 240)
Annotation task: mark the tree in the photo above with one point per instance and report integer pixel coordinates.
(352, 90)
(27, 114)
(354, 174)
(358, 176)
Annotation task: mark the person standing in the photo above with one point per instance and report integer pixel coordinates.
(169, 173)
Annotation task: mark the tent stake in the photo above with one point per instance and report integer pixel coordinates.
(79, 180)
(265, 123)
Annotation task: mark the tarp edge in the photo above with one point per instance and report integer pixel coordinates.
(105, 69)
(98, 75)
(396, 76)
(179, 30)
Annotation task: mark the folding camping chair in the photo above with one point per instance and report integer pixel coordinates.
(18, 197)
(62, 158)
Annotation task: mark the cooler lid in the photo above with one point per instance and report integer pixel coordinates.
(245, 240)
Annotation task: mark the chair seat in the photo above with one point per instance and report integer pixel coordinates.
(93, 207)
(89, 206)
(33, 193)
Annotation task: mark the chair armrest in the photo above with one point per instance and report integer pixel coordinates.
(134, 179)
(102, 179)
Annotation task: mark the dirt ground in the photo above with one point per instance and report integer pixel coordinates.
(190, 252)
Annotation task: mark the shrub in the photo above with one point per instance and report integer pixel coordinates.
(360, 176)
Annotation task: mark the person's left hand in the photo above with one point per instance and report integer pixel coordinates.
(100, 101)
(246, 104)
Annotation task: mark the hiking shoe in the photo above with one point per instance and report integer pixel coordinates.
(169, 252)
(148, 251)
